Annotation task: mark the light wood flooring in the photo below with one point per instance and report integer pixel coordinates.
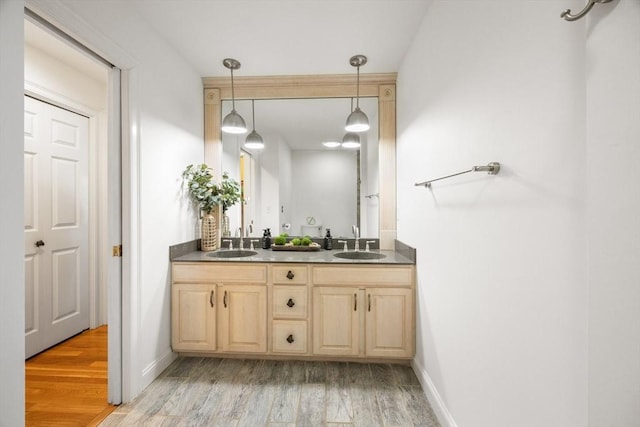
(233, 393)
(67, 384)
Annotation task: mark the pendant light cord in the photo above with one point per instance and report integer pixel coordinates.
(358, 89)
(233, 95)
(253, 115)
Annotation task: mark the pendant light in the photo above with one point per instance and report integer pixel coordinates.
(233, 122)
(254, 140)
(351, 139)
(357, 120)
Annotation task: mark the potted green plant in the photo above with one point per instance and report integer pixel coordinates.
(207, 194)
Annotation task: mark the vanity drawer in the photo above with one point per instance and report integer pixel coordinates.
(289, 274)
(366, 275)
(200, 272)
(289, 336)
(290, 302)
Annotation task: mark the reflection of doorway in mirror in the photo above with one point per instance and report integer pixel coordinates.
(247, 206)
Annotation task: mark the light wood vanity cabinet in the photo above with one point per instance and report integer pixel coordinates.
(363, 312)
(309, 310)
(238, 317)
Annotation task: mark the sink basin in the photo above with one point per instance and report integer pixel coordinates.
(234, 253)
(360, 255)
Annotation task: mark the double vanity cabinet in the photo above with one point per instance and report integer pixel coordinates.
(333, 311)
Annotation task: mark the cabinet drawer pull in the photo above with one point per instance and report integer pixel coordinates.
(224, 299)
(290, 303)
(290, 339)
(355, 302)
(369, 302)
(211, 298)
(290, 275)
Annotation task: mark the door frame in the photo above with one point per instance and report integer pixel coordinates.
(121, 142)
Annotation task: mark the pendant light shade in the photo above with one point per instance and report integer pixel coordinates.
(233, 122)
(254, 140)
(351, 140)
(357, 120)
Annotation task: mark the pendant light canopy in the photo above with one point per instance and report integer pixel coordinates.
(254, 140)
(233, 122)
(357, 120)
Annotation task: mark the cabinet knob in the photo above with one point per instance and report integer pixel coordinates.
(290, 339)
(39, 243)
(290, 275)
(290, 303)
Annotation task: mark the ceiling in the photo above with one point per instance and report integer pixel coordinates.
(273, 37)
(281, 37)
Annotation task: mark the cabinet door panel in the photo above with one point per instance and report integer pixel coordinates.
(389, 323)
(193, 314)
(243, 320)
(336, 320)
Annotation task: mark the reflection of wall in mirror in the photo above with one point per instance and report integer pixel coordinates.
(324, 187)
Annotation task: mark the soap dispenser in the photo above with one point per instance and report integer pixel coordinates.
(328, 240)
(266, 239)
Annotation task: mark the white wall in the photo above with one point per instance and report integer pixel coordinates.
(324, 187)
(613, 212)
(11, 212)
(502, 294)
(166, 130)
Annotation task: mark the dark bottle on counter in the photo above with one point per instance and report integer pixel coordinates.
(328, 240)
(266, 239)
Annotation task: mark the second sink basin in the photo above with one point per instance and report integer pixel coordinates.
(360, 255)
(234, 253)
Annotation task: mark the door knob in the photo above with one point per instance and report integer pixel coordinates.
(39, 243)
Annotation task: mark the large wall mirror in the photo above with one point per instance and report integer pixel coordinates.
(295, 184)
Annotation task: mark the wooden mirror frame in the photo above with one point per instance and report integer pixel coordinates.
(382, 86)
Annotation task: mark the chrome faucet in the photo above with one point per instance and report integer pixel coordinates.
(241, 243)
(356, 236)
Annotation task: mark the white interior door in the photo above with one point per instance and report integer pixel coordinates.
(56, 149)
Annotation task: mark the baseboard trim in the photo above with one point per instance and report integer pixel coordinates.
(437, 404)
(156, 367)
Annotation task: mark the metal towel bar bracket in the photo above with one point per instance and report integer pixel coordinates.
(569, 17)
(492, 168)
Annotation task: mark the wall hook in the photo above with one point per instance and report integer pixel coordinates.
(569, 17)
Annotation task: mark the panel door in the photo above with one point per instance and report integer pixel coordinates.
(389, 322)
(56, 149)
(243, 318)
(336, 321)
(193, 317)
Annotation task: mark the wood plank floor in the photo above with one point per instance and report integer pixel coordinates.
(234, 393)
(67, 384)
